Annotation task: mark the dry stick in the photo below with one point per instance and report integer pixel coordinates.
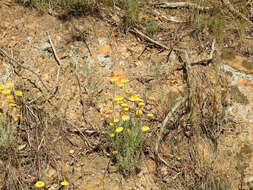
(80, 131)
(26, 68)
(57, 60)
(230, 7)
(52, 45)
(81, 98)
(165, 121)
(136, 31)
(84, 40)
(181, 5)
(170, 18)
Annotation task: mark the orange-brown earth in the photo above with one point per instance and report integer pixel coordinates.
(23, 35)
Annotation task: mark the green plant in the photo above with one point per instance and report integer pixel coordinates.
(132, 12)
(9, 115)
(151, 28)
(126, 127)
(78, 7)
(213, 21)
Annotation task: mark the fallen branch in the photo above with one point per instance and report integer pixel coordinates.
(162, 127)
(58, 62)
(80, 131)
(83, 39)
(136, 31)
(181, 5)
(174, 19)
(235, 12)
(53, 48)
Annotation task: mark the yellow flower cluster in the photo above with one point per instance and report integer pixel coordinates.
(124, 107)
(8, 101)
(41, 184)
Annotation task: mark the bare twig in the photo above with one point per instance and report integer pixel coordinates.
(235, 12)
(58, 62)
(169, 18)
(83, 39)
(80, 131)
(136, 31)
(81, 97)
(53, 48)
(162, 127)
(181, 5)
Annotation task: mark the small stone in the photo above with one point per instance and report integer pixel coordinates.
(45, 46)
(71, 152)
(54, 187)
(21, 147)
(29, 39)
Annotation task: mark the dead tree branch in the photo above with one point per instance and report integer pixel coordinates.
(181, 5)
(162, 128)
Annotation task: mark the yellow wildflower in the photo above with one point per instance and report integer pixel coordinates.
(19, 115)
(116, 121)
(112, 135)
(18, 93)
(126, 109)
(1, 87)
(145, 128)
(141, 104)
(111, 124)
(131, 107)
(125, 117)
(19, 107)
(10, 100)
(9, 97)
(150, 115)
(12, 105)
(110, 111)
(139, 112)
(151, 98)
(119, 129)
(132, 99)
(124, 105)
(15, 119)
(118, 98)
(122, 84)
(107, 116)
(139, 100)
(64, 183)
(39, 184)
(124, 80)
(113, 79)
(119, 102)
(114, 152)
(127, 92)
(6, 91)
(9, 85)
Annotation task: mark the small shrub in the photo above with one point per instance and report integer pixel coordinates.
(132, 12)
(126, 127)
(151, 28)
(9, 115)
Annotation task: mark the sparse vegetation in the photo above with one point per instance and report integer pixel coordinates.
(56, 119)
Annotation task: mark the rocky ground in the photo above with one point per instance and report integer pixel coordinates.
(85, 72)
